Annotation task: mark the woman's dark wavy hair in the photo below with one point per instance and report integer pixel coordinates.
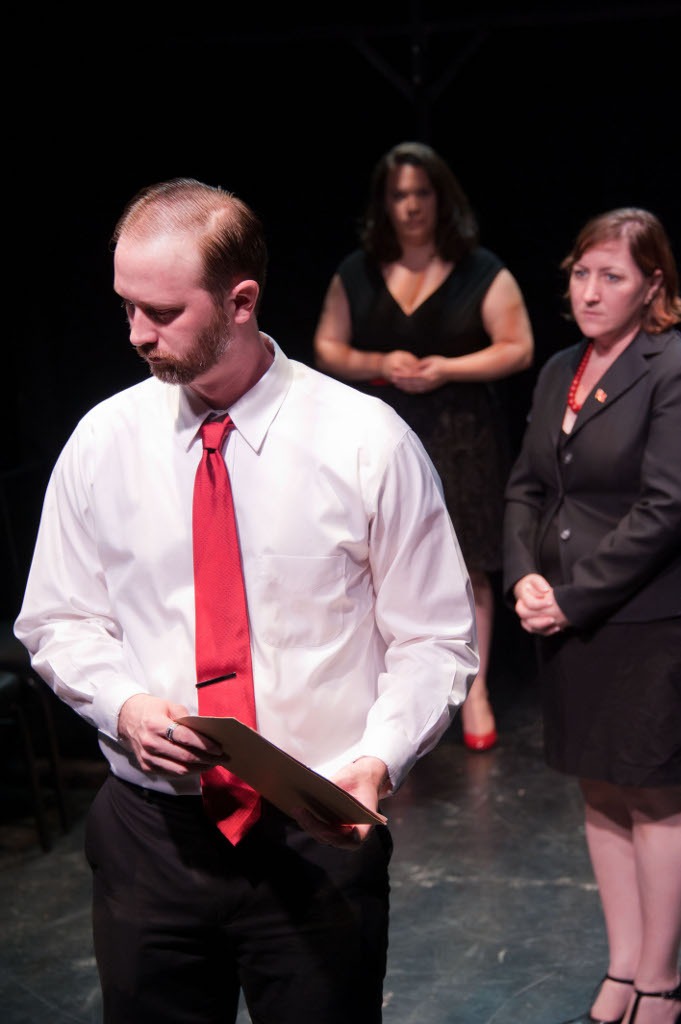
(457, 231)
(650, 251)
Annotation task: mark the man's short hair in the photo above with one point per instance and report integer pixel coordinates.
(230, 236)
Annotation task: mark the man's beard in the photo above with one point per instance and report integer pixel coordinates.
(206, 351)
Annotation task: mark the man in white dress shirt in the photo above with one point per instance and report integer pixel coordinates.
(361, 629)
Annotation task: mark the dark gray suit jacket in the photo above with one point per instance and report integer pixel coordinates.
(615, 487)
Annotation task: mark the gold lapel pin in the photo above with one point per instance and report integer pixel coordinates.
(600, 395)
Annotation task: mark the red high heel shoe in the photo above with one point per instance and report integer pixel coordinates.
(480, 743)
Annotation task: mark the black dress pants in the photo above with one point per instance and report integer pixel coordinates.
(183, 920)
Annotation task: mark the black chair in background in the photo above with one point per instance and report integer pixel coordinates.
(25, 701)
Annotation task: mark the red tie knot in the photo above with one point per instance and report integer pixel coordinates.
(214, 432)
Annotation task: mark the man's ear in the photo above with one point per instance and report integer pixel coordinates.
(244, 296)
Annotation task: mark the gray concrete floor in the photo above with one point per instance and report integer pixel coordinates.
(495, 915)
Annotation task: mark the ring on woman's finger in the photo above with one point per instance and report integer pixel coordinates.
(170, 730)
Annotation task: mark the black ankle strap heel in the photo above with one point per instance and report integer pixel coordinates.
(622, 981)
(586, 1018)
(674, 993)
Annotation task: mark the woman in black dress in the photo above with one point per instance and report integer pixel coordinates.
(593, 559)
(425, 319)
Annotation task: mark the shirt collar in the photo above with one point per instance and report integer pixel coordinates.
(252, 414)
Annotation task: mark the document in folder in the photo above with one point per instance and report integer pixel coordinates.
(285, 782)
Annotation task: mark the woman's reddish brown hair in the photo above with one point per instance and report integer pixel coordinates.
(650, 251)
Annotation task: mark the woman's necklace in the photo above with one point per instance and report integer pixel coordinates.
(572, 401)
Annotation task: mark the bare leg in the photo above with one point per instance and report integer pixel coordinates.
(656, 816)
(634, 838)
(611, 847)
(476, 714)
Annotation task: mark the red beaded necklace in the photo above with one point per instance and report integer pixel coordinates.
(571, 401)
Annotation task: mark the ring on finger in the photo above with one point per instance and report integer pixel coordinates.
(169, 732)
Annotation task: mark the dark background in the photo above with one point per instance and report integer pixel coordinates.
(548, 114)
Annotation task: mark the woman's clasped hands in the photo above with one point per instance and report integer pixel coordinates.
(408, 373)
(536, 606)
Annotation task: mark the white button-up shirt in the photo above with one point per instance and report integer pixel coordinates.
(360, 609)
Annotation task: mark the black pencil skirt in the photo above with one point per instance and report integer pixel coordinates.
(612, 702)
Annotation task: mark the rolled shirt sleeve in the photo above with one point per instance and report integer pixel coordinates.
(67, 622)
(424, 612)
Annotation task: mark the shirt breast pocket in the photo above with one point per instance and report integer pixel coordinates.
(300, 601)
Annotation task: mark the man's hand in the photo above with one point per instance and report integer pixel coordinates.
(366, 779)
(536, 606)
(143, 722)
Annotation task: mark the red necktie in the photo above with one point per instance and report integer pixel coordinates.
(222, 641)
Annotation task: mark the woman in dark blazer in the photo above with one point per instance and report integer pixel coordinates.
(593, 560)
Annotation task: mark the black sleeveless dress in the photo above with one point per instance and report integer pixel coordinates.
(459, 423)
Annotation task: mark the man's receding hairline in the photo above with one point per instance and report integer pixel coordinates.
(164, 216)
(139, 233)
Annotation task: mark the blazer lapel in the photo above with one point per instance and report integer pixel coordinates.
(627, 369)
(559, 394)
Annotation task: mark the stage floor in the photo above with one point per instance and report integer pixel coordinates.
(495, 914)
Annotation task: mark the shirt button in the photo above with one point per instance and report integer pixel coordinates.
(568, 458)
(565, 534)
